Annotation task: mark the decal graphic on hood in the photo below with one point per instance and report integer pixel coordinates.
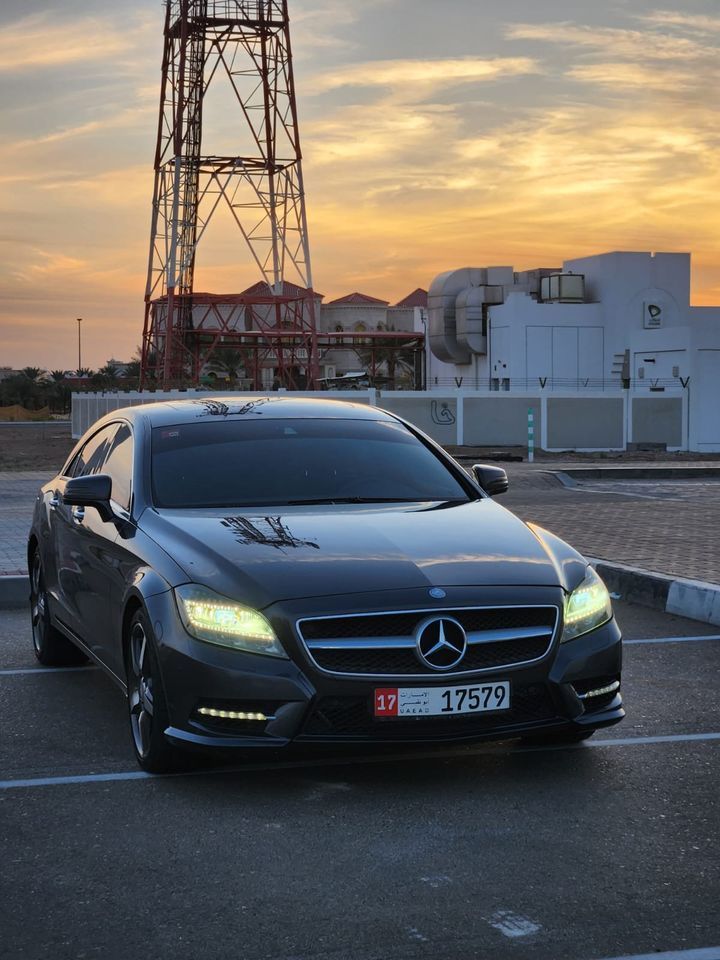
(268, 531)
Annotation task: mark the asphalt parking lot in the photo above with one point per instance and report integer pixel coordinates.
(603, 850)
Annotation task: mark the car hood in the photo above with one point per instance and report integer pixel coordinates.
(261, 558)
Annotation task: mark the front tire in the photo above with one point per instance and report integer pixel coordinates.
(51, 647)
(147, 706)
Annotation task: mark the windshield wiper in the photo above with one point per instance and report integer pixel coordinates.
(325, 501)
(332, 500)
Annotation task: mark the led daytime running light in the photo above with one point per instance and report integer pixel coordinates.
(585, 602)
(228, 619)
(215, 619)
(587, 608)
(230, 714)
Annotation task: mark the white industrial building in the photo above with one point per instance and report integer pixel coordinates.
(588, 325)
(602, 324)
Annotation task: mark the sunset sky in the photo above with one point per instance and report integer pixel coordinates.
(437, 134)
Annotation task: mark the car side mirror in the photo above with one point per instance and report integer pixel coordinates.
(493, 480)
(92, 491)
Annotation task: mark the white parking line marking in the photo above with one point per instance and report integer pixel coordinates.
(708, 953)
(35, 670)
(352, 761)
(628, 643)
(632, 741)
(81, 778)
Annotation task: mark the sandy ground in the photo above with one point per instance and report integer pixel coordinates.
(35, 447)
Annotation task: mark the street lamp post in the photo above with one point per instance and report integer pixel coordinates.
(79, 367)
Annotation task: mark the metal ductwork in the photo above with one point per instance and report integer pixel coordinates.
(471, 316)
(457, 303)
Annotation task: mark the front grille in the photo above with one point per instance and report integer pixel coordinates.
(481, 657)
(353, 717)
(403, 624)
(385, 644)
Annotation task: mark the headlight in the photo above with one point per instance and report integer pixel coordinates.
(210, 617)
(587, 607)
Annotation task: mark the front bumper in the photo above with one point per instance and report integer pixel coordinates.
(302, 704)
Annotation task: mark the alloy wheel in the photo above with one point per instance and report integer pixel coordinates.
(140, 692)
(38, 605)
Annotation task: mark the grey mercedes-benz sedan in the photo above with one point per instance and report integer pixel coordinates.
(255, 573)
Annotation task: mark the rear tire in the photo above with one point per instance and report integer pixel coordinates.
(52, 648)
(147, 706)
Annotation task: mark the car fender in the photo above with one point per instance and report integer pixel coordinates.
(145, 583)
(571, 566)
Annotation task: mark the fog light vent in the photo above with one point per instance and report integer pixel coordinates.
(600, 691)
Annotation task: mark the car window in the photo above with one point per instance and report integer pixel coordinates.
(285, 461)
(69, 469)
(118, 466)
(92, 456)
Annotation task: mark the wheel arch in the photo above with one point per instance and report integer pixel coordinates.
(32, 545)
(132, 605)
(146, 584)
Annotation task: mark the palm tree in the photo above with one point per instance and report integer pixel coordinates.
(84, 372)
(230, 362)
(132, 370)
(109, 374)
(397, 363)
(34, 374)
(59, 391)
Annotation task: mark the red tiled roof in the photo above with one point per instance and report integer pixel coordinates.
(418, 298)
(262, 289)
(358, 299)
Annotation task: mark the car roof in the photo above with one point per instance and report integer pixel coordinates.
(173, 412)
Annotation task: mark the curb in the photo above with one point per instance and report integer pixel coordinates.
(570, 476)
(14, 592)
(694, 599)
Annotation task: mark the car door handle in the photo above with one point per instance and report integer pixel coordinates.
(78, 514)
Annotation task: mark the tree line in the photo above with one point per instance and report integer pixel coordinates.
(34, 388)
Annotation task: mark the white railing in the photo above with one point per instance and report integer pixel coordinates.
(563, 420)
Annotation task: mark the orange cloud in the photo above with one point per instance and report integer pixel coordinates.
(433, 74)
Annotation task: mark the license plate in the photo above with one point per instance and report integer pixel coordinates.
(441, 701)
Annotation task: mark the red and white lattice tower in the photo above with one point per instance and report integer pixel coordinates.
(245, 46)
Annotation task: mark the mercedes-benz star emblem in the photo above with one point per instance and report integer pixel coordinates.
(441, 643)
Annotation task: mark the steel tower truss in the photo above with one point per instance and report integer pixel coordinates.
(245, 45)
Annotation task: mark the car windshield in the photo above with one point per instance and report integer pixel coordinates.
(282, 462)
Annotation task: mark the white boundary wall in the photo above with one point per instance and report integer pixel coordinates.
(563, 421)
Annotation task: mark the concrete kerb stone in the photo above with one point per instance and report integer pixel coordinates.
(570, 476)
(14, 592)
(694, 599)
